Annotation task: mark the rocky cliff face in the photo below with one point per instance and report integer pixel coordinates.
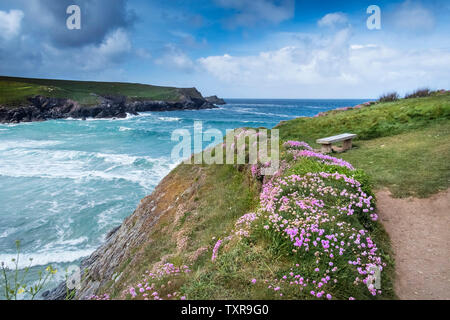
(41, 108)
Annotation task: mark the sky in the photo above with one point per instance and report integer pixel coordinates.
(233, 48)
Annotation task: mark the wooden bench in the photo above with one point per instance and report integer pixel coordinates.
(327, 142)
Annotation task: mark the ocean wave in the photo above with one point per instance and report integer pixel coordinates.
(125, 129)
(7, 232)
(169, 119)
(32, 144)
(250, 111)
(45, 257)
(262, 105)
(108, 217)
(128, 117)
(80, 165)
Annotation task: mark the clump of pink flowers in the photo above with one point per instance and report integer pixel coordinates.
(297, 145)
(301, 210)
(217, 246)
(154, 283)
(216, 250)
(311, 212)
(322, 157)
(101, 297)
(243, 224)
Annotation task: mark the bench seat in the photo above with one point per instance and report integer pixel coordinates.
(327, 142)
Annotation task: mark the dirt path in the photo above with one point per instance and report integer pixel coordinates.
(420, 236)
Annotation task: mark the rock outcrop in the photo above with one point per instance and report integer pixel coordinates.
(41, 108)
(215, 100)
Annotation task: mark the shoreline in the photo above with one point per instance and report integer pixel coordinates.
(42, 108)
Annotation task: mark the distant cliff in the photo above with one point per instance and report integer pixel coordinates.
(26, 100)
(43, 108)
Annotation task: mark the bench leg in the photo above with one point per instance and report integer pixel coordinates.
(347, 145)
(326, 148)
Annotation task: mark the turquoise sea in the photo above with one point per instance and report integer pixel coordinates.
(65, 183)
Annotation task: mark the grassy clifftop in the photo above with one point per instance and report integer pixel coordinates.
(14, 91)
(370, 122)
(404, 145)
(218, 232)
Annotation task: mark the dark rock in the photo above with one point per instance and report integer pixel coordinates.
(58, 293)
(215, 100)
(41, 108)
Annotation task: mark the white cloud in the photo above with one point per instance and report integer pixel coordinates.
(412, 16)
(250, 12)
(143, 53)
(333, 68)
(113, 50)
(174, 58)
(362, 46)
(188, 39)
(333, 20)
(91, 59)
(115, 43)
(10, 23)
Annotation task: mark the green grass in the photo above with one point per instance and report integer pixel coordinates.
(14, 91)
(415, 163)
(380, 120)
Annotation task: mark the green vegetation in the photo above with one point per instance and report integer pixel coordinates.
(379, 120)
(419, 93)
(389, 97)
(414, 163)
(14, 91)
(403, 145)
(15, 284)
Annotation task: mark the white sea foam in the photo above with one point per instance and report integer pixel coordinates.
(125, 129)
(34, 144)
(108, 217)
(78, 165)
(7, 232)
(42, 258)
(250, 111)
(169, 119)
(128, 117)
(262, 105)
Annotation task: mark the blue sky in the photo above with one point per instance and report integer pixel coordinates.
(233, 48)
